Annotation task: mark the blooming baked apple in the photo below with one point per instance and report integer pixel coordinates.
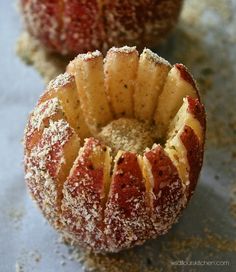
(114, 148)
(76, 26)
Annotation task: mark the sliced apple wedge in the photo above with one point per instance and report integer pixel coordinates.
(127, 221)
(48, 166)
(39, 119)
(85, 193)
(89, 76)
(185, 142)
(64, 88)
(179, 83)
(152, 72)
(120, 67)
(166, 191)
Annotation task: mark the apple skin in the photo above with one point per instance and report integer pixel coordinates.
(194, 147)
(195, 150)
(127, 219)
(185, 74)
(43, 166)
(168, 198)
(198, 111)
(43, 21)
(83, 201)
(70, 27)
(33, 132)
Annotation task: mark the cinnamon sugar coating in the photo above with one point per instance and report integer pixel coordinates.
(122, 184)
(72, 27)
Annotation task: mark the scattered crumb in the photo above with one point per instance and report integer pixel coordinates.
(16, 216)
(63, 263)
(36, 256)
(27, 260)
(159, 254)
(19, 267)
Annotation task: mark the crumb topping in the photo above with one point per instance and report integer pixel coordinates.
(127, 135)
(154, 57)
(40, 113)
(125, 49)
(60, 81)
(42, 166)
(90, 55)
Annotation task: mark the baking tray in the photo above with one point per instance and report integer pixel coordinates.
(205, 237)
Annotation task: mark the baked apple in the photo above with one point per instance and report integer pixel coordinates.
(76, 26)
(114, 148)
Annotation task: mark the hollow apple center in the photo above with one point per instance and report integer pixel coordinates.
(128, 135)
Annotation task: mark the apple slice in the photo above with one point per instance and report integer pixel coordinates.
(48, 166)
(39, 119)
(166, 191)
(152, 72)
(186, 141)
(179, 83)
(120, 67)
(64, 88)
(191, 113)
(89, 76)
(127, 220)
(85, 193)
